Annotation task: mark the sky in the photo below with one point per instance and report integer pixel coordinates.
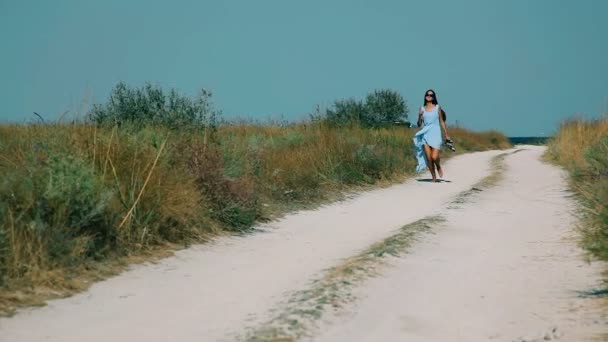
(518, 66)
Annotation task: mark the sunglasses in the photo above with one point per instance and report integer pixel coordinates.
(431, 95)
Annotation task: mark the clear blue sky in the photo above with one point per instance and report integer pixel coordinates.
(520, 66)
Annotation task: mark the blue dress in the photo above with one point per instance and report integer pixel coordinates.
(430, 134)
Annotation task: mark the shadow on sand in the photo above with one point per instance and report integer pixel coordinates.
(430, 180)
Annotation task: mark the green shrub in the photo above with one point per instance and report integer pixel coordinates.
(382, 107)
(150, 105)
(346, 112)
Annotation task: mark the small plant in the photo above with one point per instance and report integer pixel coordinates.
(232, 201)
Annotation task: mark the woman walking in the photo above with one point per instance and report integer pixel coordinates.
(427, 141)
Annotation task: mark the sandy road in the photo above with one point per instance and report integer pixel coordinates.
(504, 267)
(499, 268)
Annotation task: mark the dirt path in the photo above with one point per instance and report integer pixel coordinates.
(503, 267)
(497, 267)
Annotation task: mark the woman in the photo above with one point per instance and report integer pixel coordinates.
(428, 141)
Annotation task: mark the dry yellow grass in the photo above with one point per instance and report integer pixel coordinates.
(574, 137)
(581, 146)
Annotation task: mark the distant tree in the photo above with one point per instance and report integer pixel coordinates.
(383, 107)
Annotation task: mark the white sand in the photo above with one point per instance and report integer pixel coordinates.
(504, 249)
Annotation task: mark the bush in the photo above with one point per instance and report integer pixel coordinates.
(56, 206)
(346, 112)
(149, 105)
(384, 107)
(381, 108)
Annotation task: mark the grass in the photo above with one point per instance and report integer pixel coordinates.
(581, 147)
(79, 202)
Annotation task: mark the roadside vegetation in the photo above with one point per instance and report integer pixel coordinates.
(581, 147)
(151, 171)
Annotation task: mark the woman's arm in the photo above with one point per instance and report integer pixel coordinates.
(419, 117)
(443, 125)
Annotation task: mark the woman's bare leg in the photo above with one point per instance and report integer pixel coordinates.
(437, 161)
(429, 159)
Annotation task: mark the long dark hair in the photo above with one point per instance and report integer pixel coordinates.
(434, 100)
